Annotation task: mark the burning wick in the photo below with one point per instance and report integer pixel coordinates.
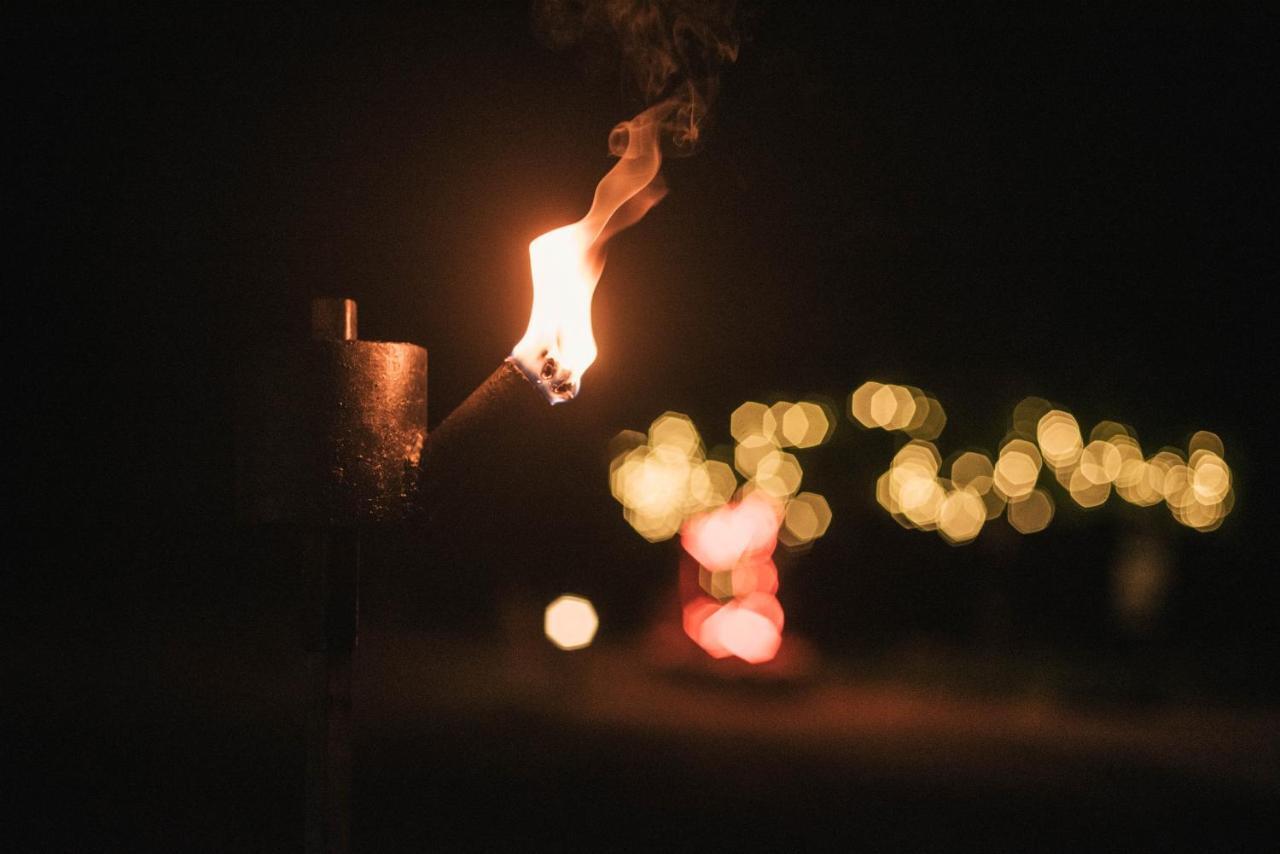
(566, 263)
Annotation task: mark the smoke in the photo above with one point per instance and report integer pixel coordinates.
(672, 51)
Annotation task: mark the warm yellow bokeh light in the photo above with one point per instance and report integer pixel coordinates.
(885, 405)
(748, 420)
(897, 407)
(961, 516)
(1032, 514)
(921, 499)
(1106, 431)
(663, 478)
(885, 494)
(919, 410)
(1210, 477)
(1085, 492)
(676, 430)
(1017, 469)
(807, 518)
(773, 421)
(929, 421)
(749, 452)
(1203, 440)
(994, 502)
(974, 471)
(778, 474)
(711, 484)
(1028, 414)
(1100, 462)
(919, 455)
(1058, 434)
(654, 527)
(805, 425)
(570, 622)
(860, 403)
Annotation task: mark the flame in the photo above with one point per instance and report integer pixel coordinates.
(558, 346)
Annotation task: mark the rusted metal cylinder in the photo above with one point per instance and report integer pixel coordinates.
(330, 431)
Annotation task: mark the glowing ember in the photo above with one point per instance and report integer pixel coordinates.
(558, 346)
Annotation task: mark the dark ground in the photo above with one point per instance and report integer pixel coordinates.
(1072, 202)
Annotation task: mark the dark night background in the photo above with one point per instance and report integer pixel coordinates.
(990, 203)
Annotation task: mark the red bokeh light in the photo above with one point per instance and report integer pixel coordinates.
(738, 538)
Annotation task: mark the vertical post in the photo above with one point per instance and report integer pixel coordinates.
(332, 589)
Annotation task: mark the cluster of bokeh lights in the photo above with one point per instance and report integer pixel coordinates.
(664, 478)
(668, 483)
(1045, 442)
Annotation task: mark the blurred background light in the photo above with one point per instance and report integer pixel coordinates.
(750, 451)
(1059, 437)
(570, 622)
(806, 425)
(1017, 469)
(748, 420)
(1100, 462)
(860, 403)
(973, 470)
(1032, 514)
(806, 519)
(778, 473)
(675, 430)
(961, 516)
(1027, 415)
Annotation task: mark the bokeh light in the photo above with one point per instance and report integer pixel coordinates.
(749, 420)
(860, 403)
(778, 473)
(719, 539)
(662, 478)
(1028, 414)
(1100, 462)
(675, 430)
(1017, 469)
(1058, 435)
(897, 407)
(961, 516)
(1085, 492)
(733, 546)
(928, 420)
(973, 470)
(807, 518)
(1032, 514)
(750, 451)
(666, 485)
(570, 622)
(806, 425)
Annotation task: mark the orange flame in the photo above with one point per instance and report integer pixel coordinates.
(558, 346)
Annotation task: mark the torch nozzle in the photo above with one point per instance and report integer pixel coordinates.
(550, 378)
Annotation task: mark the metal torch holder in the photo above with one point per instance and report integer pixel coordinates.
(330, 434)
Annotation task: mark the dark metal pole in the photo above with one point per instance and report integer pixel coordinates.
(333, 590)
(333, 608)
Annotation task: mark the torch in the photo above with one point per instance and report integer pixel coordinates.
(332, 439)
(558, 346)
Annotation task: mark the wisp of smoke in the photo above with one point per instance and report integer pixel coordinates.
(673, 50)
